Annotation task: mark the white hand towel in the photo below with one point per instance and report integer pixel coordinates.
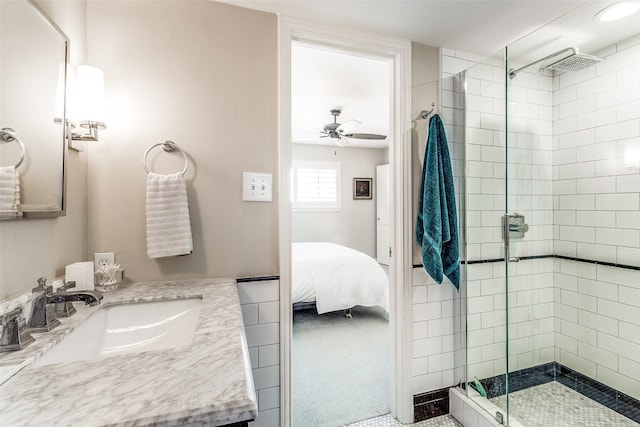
(9, 189)
(168, 224)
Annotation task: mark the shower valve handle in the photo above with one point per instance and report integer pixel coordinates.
(507, 228)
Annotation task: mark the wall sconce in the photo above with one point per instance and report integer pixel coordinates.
(632, 155)
(90, 102)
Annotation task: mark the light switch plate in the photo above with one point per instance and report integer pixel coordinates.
(257, 187)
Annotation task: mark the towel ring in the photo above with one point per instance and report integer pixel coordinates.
(169, 147)
(9, 135)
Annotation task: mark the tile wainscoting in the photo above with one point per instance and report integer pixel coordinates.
(260, 303)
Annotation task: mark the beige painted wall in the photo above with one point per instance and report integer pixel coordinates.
(425, 72)
(204, 75)
(42, 247)
(354, 225)
(211, 87)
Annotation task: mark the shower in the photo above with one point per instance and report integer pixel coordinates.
(546, 316)
(575, 61)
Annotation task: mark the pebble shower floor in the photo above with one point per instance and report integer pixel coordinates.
(555, 405)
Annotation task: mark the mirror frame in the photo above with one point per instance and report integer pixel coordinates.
(64, 122)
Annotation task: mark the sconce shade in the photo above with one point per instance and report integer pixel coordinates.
(90, 93)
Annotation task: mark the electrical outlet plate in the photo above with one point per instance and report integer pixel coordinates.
(257, 187)
(101, 259)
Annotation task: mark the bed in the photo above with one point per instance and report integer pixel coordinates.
(336, 278)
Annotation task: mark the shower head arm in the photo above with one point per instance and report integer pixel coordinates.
(513, 73)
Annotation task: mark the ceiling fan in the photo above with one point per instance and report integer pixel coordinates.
(339, 131)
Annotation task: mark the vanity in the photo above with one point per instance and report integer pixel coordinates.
(206, 381)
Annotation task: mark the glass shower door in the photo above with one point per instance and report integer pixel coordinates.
(485, 204)
(552, 221)
(573, 122)
(527, 231)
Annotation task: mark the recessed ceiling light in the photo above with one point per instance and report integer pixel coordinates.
(617, 11)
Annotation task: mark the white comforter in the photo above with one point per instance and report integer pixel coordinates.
(337, 278)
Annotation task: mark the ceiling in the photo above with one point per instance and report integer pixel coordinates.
(481, 27)
(477, 26)
(323, 79)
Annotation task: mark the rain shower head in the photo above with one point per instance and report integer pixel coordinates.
(575, 61)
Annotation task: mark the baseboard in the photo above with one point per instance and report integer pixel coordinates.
(430, 404)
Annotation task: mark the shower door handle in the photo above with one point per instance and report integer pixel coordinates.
(505, 231)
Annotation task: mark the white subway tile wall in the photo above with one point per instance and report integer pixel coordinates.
(436, 333)
(530, 182)
(595, 195)
(530, 154)
(566, 174)
(597, 216)
(597, 323)
(260, 303)
(531, 318)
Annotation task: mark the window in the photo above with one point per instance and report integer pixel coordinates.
(315, 185)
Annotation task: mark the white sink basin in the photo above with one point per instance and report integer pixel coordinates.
(128, 328)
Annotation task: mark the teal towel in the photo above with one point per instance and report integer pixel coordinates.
(437, 228)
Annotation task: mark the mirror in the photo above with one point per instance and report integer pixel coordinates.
(34, 54)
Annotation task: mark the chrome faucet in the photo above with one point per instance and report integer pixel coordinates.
(65, 309)
(89, 297)
(14, 331)
(43, 315)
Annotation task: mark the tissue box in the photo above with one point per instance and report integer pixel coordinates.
(82, 273)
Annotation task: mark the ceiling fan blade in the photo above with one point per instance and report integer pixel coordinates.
(365, 136)
(348, 126)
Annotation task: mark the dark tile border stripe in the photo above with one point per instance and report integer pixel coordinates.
(524, 258)
(608, 264)
(430, 404)
(541, 374)
(256, 279)
(518, 380)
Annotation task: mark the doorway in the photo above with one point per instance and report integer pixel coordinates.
(398, 52)
(340, 355)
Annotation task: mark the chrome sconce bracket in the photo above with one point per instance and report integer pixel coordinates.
(92, 134)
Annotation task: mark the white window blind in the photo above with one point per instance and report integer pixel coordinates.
(316, 185)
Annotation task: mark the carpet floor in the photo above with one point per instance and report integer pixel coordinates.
(340, 367)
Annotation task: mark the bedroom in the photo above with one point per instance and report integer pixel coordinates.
(338, 211)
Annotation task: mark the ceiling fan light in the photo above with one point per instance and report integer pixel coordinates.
(349, 126)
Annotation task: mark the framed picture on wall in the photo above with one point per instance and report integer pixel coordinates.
(362, 188)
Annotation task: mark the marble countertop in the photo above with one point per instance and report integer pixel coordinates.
(205, 383)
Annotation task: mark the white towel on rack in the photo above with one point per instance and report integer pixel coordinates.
(168, 224)
(9, 190)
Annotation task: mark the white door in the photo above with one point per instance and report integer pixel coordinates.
(382, 215)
